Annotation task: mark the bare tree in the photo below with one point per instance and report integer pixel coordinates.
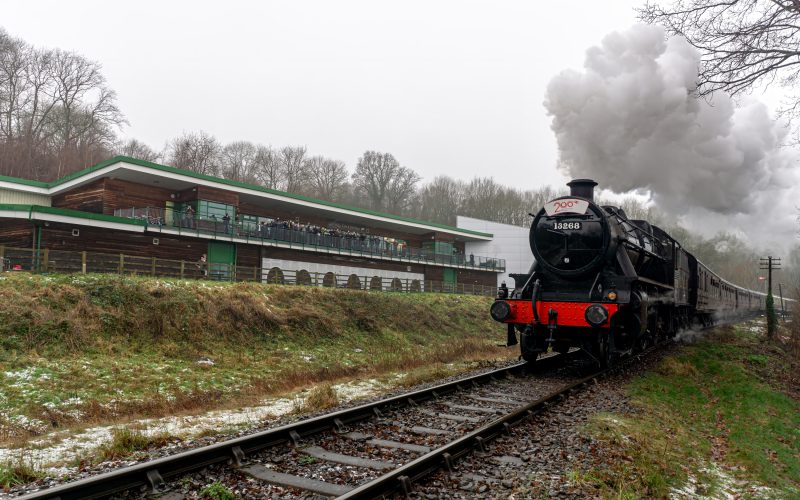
(328, 177)
(441, 199)
(402, 190)
(198, 152)
(56, 112)
(268, 168)
(76, 79)
(40, 102)
(744, 43)
(386, 184)
(14, 56)
(238, 161)
(483, 198)
(139, 150)
(293, 166)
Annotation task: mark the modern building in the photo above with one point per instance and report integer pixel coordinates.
(136, 208)
(509, 244)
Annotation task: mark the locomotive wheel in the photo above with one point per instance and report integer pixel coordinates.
(527, 346)
(605, 349)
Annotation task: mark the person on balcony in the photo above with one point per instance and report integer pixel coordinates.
(226, 223)
(188, 217)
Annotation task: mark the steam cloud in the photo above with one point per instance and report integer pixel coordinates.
(631, 122)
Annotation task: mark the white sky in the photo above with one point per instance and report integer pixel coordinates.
(451, 88)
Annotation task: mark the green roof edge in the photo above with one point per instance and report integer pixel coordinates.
(27, 182)
(189, 173)
(71, 213)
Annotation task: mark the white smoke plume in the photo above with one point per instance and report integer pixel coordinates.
(631, 121)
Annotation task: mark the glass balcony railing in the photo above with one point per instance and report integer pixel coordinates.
(310, 238)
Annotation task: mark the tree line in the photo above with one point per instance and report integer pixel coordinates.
(379, 181)
(57, 113)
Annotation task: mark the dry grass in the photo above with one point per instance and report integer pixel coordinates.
(319, 398)
(124, 442)
(674, 366)
(425, 375)
(16, 472)
(793, 341)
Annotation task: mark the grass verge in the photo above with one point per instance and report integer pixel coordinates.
(86, 349)
(708, 421)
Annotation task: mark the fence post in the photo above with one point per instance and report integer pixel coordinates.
(83, 262)
(153, 267)
(255, 274)
(121, 263)
(2, 251)
(46, 259)
(182, 264)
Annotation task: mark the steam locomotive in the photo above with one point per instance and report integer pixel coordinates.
(608, 284)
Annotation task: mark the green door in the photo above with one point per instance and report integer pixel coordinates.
(449, 279)
(221, 260)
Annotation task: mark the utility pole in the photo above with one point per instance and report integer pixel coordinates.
(769, 263)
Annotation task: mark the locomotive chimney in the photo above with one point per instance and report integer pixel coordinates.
(582, 188)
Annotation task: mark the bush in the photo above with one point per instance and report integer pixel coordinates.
(772, 317)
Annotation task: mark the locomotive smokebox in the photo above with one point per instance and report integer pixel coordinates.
(582, 188)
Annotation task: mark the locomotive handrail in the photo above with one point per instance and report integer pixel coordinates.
(643, 250)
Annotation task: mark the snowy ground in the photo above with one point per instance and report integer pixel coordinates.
(727, 487)
(52, 452)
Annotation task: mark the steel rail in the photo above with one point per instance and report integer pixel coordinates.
(155, 472)
(401, 479)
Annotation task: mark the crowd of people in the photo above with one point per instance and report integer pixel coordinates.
(294, 231)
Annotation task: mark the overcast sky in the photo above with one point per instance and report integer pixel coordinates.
(451, 88)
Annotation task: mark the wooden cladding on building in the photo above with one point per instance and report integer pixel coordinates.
(123, 194)
(60, 237)
(88, 198)
(106, 195)
(15, 233)
(248, 255)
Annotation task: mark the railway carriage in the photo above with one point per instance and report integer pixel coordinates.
(609, 284)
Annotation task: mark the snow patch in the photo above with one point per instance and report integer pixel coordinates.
(48, 452)
(727, 487)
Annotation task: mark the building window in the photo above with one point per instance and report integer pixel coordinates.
(211, 210)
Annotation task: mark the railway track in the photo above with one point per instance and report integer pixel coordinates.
(379, 448)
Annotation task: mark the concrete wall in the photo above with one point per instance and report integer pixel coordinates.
(509, 243)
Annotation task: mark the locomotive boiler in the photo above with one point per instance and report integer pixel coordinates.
(607, 284)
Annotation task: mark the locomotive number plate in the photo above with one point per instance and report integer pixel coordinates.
(566, 225)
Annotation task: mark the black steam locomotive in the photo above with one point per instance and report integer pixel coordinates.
(608, 284)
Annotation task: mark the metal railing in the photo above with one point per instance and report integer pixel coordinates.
(61, 261)
(331, 241)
